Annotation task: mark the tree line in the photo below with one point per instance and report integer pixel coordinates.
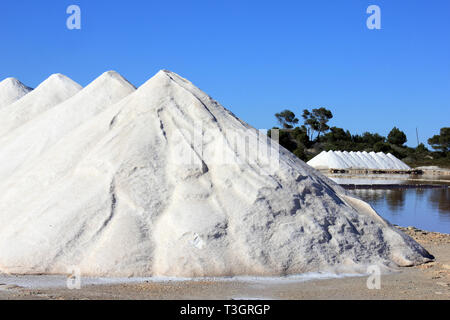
(315, 135)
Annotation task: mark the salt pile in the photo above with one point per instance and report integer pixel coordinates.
(34, 137)
(56, 89)
(159, 184)
(357, 160)
(11, 90)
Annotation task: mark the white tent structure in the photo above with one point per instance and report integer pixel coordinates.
(357, 160)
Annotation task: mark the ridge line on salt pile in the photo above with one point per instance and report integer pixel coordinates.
(37, 135)
(126, 205)
(115, 75)
(12, 90)
(48, 94)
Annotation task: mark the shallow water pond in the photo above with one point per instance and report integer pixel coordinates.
(426, 209)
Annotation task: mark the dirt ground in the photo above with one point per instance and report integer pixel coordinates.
(429, 281)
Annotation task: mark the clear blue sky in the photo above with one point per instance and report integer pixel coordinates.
(255, 57)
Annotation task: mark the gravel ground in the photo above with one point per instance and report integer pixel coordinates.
(429, 281)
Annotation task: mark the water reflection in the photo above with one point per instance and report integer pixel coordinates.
(372, 195)
(441, 199)
(395, 199)
(420, 193)
(427, 209)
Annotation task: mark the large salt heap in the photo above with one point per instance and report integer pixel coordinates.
(160, 185)
(357, 160)
(56, 89)
(37, 135)
(11, 90)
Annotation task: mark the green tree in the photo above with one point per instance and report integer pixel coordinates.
(311, 123)
(300, 153)
(287, 119)
(421, 148)
(317, 121)
(397, 137)
(372, 138)
(337, 134)
(287, 141)
(382, 146)
(301, 137)
(441, 142)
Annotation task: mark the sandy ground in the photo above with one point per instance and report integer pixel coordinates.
(429, 281)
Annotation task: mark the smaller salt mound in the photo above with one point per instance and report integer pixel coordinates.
(372, 163)
(357, 160)
(381, 160)
(399, 163)
(351, 159)
(11, 90)
(56, 89)
(343, 159)
(38, 135)
(319, 161)
(361, 161)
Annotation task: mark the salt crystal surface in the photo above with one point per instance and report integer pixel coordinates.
(56, 89)
(120, 182)
(11, 90)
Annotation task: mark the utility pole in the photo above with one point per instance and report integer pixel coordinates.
(417, 136)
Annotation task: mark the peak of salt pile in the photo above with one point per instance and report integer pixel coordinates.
(162, 184)
(357, 160)
(56, 89)
(37, 135)
(11, 90)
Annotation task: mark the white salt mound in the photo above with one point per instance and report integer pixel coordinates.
(56, 89)
(116, 196)
(11, 90)
(37, 135)
(357, 160)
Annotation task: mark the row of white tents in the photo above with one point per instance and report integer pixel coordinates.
(357, 160)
